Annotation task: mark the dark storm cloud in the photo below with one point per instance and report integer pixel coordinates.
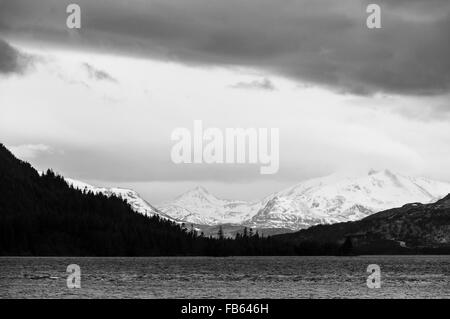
(11, 59)
(316, 41)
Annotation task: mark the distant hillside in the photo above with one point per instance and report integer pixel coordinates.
(411, 228)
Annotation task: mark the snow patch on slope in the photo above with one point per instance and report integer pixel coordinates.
(138, 204)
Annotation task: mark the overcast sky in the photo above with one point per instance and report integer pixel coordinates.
(99, 104)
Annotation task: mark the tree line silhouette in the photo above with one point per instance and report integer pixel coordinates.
(41, 215)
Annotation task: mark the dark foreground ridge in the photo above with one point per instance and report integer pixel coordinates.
(44, 216)
(412, 228)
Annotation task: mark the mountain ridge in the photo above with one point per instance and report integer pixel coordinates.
(406, 229)
(324, 200)
(42, 215)
(137, 203)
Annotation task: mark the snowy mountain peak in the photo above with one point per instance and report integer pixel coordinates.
(334, 198)
(201, 189)
(198, 195)
(199, 192)
(338, 197)
(201, 207)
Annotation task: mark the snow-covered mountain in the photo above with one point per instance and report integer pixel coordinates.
(330, 199)
(138, 204)
(338, 198)
(198, 206)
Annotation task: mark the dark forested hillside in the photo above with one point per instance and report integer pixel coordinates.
(413, 228)
(42, 215)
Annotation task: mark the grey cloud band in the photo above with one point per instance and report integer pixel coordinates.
(323, 42)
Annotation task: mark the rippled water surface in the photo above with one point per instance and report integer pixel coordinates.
(232, 277)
